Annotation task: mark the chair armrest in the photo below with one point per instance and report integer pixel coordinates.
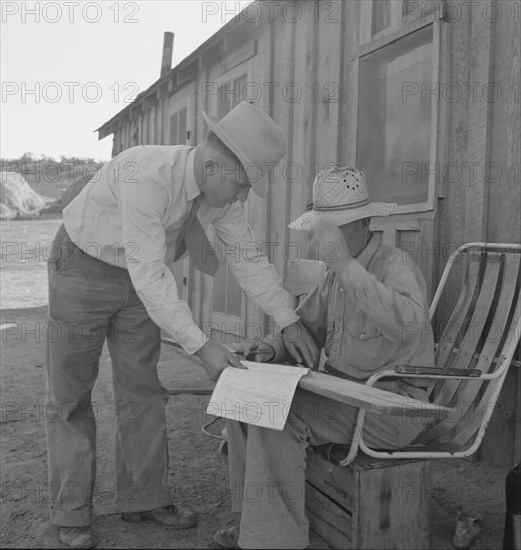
(435, 371)
(369, 398)
(432, 373)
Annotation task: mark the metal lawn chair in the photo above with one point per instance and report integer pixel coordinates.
(472, 357)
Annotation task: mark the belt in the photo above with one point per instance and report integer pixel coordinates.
(63, 237)
(335, 372)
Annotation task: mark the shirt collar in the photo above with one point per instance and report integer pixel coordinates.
(192, 189)
(365, 257)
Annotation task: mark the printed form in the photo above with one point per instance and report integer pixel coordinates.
(260, 395)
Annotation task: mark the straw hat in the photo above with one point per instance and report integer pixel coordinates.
(340, 196)
(254, 138)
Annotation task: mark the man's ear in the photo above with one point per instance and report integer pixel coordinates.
(211, 167)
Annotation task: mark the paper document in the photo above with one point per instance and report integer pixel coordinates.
(260, 395)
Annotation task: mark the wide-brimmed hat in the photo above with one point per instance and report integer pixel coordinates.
(254, 138)
(340, 196)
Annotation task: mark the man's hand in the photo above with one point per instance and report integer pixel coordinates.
(332, 245)
(216, 358)
(300, 344)
(257, 350)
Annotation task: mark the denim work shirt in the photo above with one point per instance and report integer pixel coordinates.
(377, 319)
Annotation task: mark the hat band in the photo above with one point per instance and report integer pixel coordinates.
(348, 206)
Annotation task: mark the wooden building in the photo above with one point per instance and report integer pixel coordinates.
(423, 95)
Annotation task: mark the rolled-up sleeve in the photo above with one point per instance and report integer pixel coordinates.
(143, 204)
(254, 273)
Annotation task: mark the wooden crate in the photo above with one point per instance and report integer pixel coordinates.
(370, 504)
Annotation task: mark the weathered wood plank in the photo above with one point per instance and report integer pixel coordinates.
(501, 446)
(334, 481)
(480, 127)
(393, 511)
(304, 124)
(328, 519)
(365, 22)
(283, 71)
(327, 91)
(324, 90)
(349, 105)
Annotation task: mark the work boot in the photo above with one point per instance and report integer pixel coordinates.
(77, 537)
(228, 538)
(168, 516)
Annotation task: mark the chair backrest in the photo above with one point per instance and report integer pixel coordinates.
(482, 333)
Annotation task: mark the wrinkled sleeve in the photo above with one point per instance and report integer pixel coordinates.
(256, 276)
(313, 314)
(144, 241)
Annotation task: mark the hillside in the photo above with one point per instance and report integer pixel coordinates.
(54, 182)
(17, 198)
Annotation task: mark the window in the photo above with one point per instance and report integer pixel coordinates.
(230, 95)
(387, 16)
(381, 17)
(135, 135)
(395, 127)
(397, 110)
(147, 133)
(227, 294)
(177, 131)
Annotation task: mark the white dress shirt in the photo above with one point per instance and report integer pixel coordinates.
(129, 215)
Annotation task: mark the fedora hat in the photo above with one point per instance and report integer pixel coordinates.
(254, 138)
(340, 196)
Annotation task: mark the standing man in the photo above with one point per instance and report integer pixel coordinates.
(111, 279)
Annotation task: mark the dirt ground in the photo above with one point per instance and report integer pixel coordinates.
(198, 472)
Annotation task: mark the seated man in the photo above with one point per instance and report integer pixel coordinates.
(369, 311)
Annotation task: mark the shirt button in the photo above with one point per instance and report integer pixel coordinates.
(340, 290)
(362, 336)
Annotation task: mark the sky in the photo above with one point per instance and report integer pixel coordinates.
(68, 66)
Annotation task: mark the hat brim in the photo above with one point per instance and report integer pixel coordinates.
(342, 217)
(259, 184)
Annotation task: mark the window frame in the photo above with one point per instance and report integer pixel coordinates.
(177, 114)
(174, 104)
(377, 44)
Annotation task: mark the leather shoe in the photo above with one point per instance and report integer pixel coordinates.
(228, 538)
(168, 516)
(77, 537)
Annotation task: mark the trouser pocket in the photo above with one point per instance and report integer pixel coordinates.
(62, 254)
